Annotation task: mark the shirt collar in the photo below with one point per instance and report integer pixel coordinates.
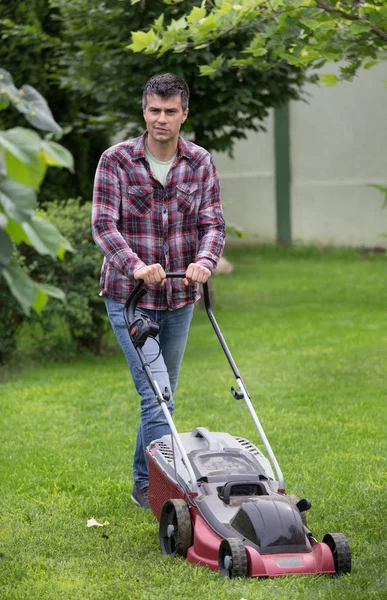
(138, 150)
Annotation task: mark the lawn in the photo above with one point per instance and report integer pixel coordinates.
(308, 331)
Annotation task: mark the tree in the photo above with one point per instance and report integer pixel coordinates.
(24, 158)
(97, 62)
(301, 33)
(30, 35)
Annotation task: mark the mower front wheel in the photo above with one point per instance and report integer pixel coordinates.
(175, 528)
(341, 552)
(232, 558)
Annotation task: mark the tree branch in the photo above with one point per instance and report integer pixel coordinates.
(331, 9)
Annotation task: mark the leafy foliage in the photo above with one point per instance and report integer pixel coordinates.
(11, 318)
(24, 158)
(84, 311)
(383, 190)
(30, 35)
(302, 33)
(96, 61)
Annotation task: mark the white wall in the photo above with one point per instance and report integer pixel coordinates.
(248, 184)
(338, 146)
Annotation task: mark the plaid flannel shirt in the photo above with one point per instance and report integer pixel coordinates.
(137, 221)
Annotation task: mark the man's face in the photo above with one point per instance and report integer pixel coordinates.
(164, 117)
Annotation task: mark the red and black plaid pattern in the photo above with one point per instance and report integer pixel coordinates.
(137, 221)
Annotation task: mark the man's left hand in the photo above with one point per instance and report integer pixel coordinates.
(196, 273)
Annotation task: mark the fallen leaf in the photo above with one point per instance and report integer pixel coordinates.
(93, 523)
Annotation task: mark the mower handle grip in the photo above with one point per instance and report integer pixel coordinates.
(139, 291)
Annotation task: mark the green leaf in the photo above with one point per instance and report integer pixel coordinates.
(22, 156)
(207, 25)
(6, 248)
(329, 79)
(217, 62)
(177, 25)
(57, 156)
(158, 24)
(8, 91)
(292, 59)
(27, 156)
(360, 27)
(196, 14)
(311, 24)
(40, 300)
(43, 291)
(21, 286)
(225, 8)
(141, 40)
(16, 232)
(26, 174)
(206, 70)
(370, 64)
(43, 236)
(36, 110)
(28, 292)
(3, 220)
(257, 51)
(51, 290)
(18, 200)
(22, 143)
(4, 100)
(382, 189)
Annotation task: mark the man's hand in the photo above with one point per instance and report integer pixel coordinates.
(196, 274)
(151, 274)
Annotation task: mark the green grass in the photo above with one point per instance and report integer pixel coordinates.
(308, 330)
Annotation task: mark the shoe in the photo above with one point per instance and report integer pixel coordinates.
(140, 496)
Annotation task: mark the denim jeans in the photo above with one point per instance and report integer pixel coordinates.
(172, 337)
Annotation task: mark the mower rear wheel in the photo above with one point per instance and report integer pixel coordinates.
(232, 558)
(175, 528)
(341, 552)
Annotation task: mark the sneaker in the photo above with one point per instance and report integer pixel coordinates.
(140, 496)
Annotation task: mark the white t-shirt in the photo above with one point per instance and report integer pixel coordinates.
(159, 168)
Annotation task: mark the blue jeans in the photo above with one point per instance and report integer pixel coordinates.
(172, 337)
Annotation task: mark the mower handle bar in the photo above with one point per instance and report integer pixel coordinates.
(139, 291)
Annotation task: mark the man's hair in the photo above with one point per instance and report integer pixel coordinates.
(166, 86)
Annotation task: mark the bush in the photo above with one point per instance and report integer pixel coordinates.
(11, 319)
(84, 311)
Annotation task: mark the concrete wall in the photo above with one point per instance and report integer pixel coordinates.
(338, 146)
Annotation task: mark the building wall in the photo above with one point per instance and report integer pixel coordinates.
(338, 145)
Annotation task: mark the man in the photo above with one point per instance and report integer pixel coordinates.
(157, 209)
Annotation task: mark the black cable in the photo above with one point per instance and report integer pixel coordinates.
(154, 360)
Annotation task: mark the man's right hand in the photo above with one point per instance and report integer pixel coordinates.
(151, 274)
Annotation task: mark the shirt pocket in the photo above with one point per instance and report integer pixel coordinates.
(185, 195)
(138, 199)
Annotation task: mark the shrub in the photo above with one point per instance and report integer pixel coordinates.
(11, 319)
(84, 311)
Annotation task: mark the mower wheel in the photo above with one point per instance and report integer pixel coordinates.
(175, 528)
(232, 558)
(294, 499)
(341, 552)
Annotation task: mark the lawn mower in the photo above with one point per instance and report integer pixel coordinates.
(219, 500)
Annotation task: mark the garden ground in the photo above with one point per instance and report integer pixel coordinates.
(308, 330)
